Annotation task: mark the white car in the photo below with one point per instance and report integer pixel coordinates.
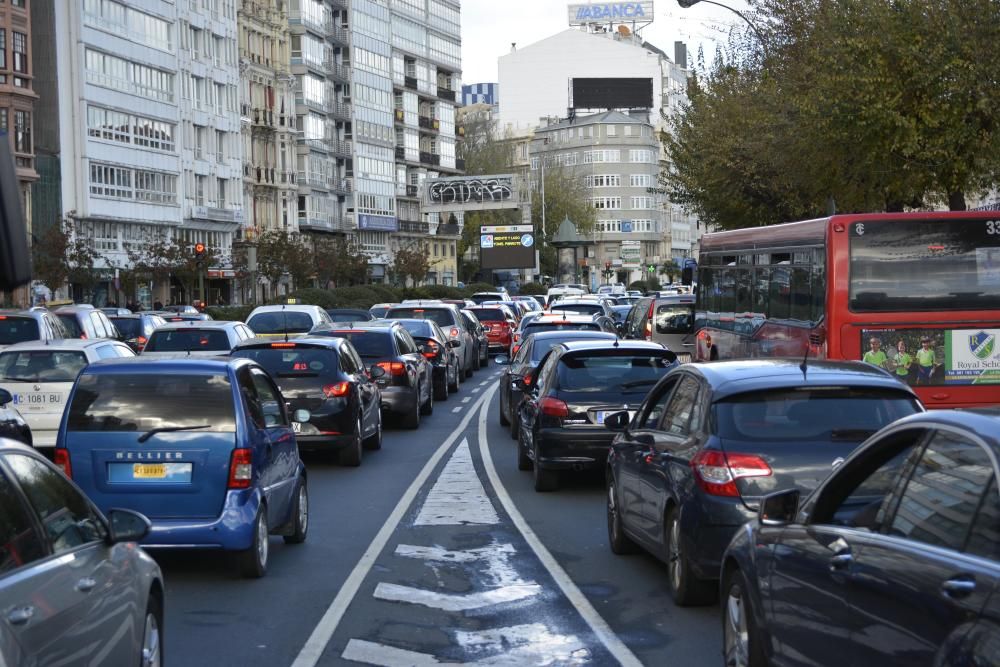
(289, 319)
(200, 338)
(40, 375)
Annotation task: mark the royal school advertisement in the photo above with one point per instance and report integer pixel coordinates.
(935, 356)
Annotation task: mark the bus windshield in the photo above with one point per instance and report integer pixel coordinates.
(925, 265)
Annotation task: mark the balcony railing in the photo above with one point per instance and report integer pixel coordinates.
(429, 123)
(414, 227)
(318, 144)
(287, 177)
(410, 82)
(264, 175)
(341, 146)
(446, 94)
(430, 158)
(262, 117)
(337, 33)
(297, 17)
(338, 70)
(312, 179)
(316, 105)
(400, 153)
(340, 109)
(345, 185)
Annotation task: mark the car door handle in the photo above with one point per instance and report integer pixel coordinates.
(86, 585)
(20, 615)
(840, 561)
(958, 588)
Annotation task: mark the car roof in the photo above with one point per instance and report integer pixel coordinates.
(58, 344)
(424, 303)
(199, 324)
(728, 378)
(172, 364)
(639, 345)
(347, 310)
(985, 422)
(24, 312)
(575, 333)
(347, 327)
(325, 341)
(560, 317)
(291, 307)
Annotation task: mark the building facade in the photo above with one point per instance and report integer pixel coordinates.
(17, 107)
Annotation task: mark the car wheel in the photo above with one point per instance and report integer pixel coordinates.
(151, 653)
(504, 419)
(428, 407)
(523, 460)
(620, 542)
(412, 420)
(545, 479)
(468, 371)
(351, 455)
(300, 517)
(685, 588)
(374, 441)
(478, 363)
(253, 561)
(441, 388)
(741, 642)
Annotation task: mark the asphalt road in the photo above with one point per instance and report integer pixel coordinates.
(473, 566)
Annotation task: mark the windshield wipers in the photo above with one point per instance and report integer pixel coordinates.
(851, 433)
(165, 429)
(639, 383)
(13, 379)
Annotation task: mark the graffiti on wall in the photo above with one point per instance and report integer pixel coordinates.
(471, 190)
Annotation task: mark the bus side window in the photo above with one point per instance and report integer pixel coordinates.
(801, 297)
(818, 287)
(762, 280)
(780, 293)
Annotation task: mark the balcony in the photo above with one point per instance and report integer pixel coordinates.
(264, 176)
(315, 105)
(342, 147)
(430, 158)
(216, 214)
(412, 191)
(287, 177)
(446, 94)
(429, 123)
(414, 227)
(340, 110)
(261, 117)
(317, 144)
(339, 4)
(410, 82)
(338, 34)
(341, 185)
(338, 71)
(312, 23)
(400, 153)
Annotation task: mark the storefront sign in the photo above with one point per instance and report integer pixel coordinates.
(935, 356)
(378, 223)
(604, 12)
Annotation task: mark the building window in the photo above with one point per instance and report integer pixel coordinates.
(126, 183)
(108, 181)
(119, 74)
(608, 203)
(640, 180)
(643, 203)
(23, 4)
(155, 187)
(641, 156)
(22, 131)
(19, 44)
(3, 48)
(603, 181)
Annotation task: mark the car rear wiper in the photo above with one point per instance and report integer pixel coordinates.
(851, 433)
(14, 379)
(298, 375)
(639, 383)
(165, 429)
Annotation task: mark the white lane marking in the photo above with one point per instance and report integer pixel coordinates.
(530, 644)
(484, 383)
(459, 602)
(466, 399)
(496, 568)
(474, 390)
(313, 649)
(457, 497)
(601, 629)
(456, 409)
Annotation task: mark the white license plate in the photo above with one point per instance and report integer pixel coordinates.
(296, 427)
(603, 414)
(37, 398)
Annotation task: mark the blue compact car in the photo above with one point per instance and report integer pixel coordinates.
(203, 447)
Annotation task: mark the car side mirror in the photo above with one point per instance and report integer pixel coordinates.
(617, 421)
(127, 526)
(301, 416)
(375, 372)
(779, 509)
(502, 360)
(454, 343)
(5, 397)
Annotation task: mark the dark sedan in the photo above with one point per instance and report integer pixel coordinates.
(711, 439)
(439, 351)
(893, 560)
(408, 383)
(578, 384)
(531, 352)
(326, 377)
(137, 328)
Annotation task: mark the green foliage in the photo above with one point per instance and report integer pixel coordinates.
(480, 287)
(565, 197)
(230, 313)
(339, 261)
(314, 296)
(637, 285)
(532, 288)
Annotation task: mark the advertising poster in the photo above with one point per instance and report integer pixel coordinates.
(935, 356)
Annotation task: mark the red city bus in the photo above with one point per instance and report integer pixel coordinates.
(915, 293)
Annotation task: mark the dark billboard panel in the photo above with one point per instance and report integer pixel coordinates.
(507, 247)
(616, 93)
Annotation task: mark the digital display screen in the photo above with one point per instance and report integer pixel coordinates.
(507, 247)
(612, 93)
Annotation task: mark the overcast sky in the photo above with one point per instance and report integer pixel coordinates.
(489, 27)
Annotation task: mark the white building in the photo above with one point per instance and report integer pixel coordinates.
(141, 103)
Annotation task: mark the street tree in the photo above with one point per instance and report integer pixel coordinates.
(339, 261)
(49, 249)
(279, 253)
(411, 262)
(566, 196)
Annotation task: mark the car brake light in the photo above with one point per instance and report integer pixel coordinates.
(434, 349)
(141, 340)
(717, 471)
(454, 332)
(553, 407)
(527, 380)
(514, 350)
(338, 390)
(240, 468)
(392, 367)
(649, 321)
(282, 344)
(3, 317)
(61, 459)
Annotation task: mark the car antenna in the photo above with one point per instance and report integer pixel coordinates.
(804, 366)
(284, 318)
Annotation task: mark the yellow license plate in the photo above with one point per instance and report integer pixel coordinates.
(149, 471)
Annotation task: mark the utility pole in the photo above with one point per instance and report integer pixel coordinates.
(753, 26)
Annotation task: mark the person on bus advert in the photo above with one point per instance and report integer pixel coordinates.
(875, 356)
(925, 361)
(903, 361)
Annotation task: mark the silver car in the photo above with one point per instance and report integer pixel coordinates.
(207, 338)
(74, 587)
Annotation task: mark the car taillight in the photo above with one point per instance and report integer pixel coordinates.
(392, 367)
(516, 336)
(240, 468)
(141, 341)
(717, 471)
(553, 407)
(649, 321)
(527, 380)
(433, 350)
(61, 459)
(338, 390)
(454, 332)
(514, 350)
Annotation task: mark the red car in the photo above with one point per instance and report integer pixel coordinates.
(499, 323)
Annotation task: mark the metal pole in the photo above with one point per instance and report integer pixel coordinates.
(760, 36)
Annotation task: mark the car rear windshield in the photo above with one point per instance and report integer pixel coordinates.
(280, 322)
(349, 317)
(72, 326)
(183, 340)
(541, 346)
(486, 296)
(812, 413)
(630, 373)
(131, 327)
(294, 362)
(559, 326)
(423, 329)
(368, 343)
(585, 308)
(17, 329)
(442, 316)
(490, 315)
(142, 401)
(41, 366)
(674, 318)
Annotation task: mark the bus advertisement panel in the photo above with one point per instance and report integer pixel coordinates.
(935, 357)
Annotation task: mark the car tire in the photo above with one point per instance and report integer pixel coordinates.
(300, 516)
(619, 542)
(741, 640)
(685, 588)
(478, 363)
(151, 650)
(504, 419)
(253, 561)
(412, 420)
(468, 372)
(441, 388)
(524, 461)
(374, 441)
(427, 408)
(544, 478)
(350, 456)
(515, 427)
(453, 386)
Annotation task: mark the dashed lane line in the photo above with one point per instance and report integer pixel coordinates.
(457, 409)
(466, 399)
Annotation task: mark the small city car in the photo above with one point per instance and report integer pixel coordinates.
(690, 467)
(74, 586)
(204, 447)
(562, 322)
(326, 377)
(499, 322)
(40, 377)
(408, 383)
(286, 320)
(582, 306)
(895, 556)
(439, 351)
(196, 339)
(137, 328)
(578, 384)
(479, 333)
(664, 319)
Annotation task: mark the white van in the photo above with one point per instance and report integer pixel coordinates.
(562, 291)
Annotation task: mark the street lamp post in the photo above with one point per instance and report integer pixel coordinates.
(753, 26)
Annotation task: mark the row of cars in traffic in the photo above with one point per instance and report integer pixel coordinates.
(817, 500)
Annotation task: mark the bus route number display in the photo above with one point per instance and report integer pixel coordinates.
(507, 246)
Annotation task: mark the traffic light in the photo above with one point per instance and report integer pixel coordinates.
(607, 266)
(199, 254)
